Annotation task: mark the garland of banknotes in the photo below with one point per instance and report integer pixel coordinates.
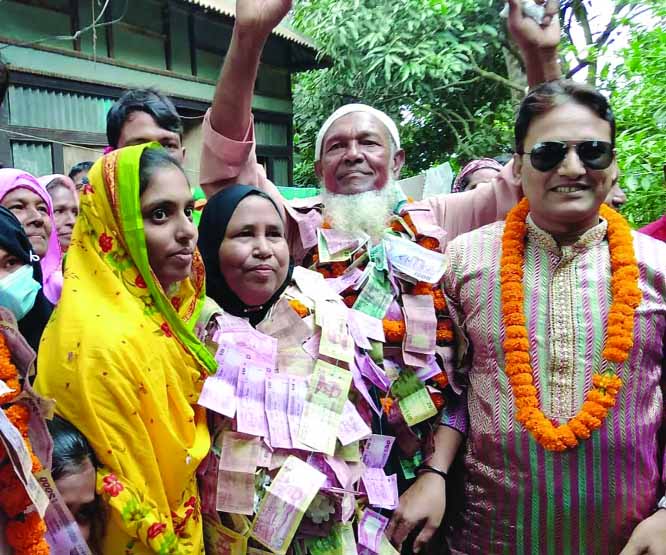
(313, 403)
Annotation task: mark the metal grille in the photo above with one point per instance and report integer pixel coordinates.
(271, 134)
(48, 109)
(281, 171)
(35, 158)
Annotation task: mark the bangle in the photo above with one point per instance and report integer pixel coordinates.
(662, 503)
(428, 468)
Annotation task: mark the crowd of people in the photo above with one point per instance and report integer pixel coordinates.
(478, 372)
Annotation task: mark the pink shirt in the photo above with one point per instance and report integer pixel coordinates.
(225, 162)
(656, 229)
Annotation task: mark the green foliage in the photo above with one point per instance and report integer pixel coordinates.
(418, 61)
(639, 101)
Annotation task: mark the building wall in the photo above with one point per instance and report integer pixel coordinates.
(65, 87)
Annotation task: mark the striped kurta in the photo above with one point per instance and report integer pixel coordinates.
(520, 498)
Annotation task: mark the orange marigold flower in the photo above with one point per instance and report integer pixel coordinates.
(429, 243)
(299, 308)
(350, 299)
(338, 268)
(516, 345)
(23, 534)
(521, 379)
(408, 220)
(441, 380)
(422, 288)
(619, 342)
(603, 399)
(324, 272)
(524, 391)
(437, 399)
(445, 331)
(14, 499)
(386, 403)
(439, 300)
(15, 386)
(394, 331)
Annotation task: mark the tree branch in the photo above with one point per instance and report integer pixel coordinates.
(493, 76)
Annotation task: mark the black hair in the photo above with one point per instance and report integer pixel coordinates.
(153, 159)
(78, 168)
(70, 448)
(503, 159)
(547, 96)
(150, 101)
(4, 79)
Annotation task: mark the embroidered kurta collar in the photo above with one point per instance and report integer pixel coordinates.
(545, 240)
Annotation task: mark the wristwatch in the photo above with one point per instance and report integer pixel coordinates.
(662, 503)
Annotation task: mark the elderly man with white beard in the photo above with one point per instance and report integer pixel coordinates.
(358, 149)
(358, 158)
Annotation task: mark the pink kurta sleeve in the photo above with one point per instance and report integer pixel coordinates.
(225, 162)
(463, 212)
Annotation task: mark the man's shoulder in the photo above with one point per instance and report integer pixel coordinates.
(650, 252)
(486, 236)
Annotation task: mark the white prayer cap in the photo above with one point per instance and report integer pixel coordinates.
(348, 109)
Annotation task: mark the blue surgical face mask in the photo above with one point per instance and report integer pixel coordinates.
(18, 291)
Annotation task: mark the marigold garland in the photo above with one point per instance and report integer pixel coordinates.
(619, 334)
(25, 532)
(299, 307)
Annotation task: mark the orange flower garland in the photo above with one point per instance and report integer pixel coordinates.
(25, 531)
(619, 334)
(299, 307)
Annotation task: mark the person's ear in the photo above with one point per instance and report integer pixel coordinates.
(517, 168)
(397, 163)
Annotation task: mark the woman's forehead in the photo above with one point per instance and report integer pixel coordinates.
(257, 208)
(24, 192)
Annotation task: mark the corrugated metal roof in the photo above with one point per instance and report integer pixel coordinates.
(228, 7)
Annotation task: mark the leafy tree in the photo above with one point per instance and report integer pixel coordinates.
(437, 66)
(639, 99)
(446, 70)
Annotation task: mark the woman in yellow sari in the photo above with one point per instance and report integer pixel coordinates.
(119, 354)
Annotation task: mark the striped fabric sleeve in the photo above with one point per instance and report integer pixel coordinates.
(454, 414)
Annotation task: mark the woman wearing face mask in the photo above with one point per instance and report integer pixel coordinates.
(65, 199)
(120, 356)
(21, 193)
(242, 242)
(20, 280)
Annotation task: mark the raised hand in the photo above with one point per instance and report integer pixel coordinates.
(260, 17)
(529, 34)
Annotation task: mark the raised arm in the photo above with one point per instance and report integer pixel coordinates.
(255, 20)
(229, 151)
(537, 42)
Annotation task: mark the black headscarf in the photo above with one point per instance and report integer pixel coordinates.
(213, 226)
(14, 240)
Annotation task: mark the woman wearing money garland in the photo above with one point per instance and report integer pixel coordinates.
(120, 355)
(301, 337)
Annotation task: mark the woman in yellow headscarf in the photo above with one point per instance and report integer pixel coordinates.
(119, 354)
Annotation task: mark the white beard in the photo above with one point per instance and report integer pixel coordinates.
(367, 212)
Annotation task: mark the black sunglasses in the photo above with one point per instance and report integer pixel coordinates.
(595, 155)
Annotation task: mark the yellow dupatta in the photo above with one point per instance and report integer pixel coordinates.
(120, 358)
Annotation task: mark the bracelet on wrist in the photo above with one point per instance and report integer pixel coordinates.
(434, 470)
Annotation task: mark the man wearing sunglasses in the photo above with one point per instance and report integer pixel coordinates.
(563, 309)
